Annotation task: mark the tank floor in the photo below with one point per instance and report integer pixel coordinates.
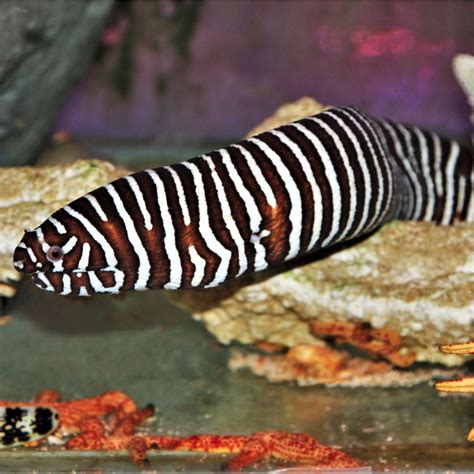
(141, 344)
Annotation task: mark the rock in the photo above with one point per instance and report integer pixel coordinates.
(49, 47)
(28, 195)
(391, 280)
(463, 67)
(289, 112)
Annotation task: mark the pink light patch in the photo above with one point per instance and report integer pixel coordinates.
(392, 42)
(115, 33)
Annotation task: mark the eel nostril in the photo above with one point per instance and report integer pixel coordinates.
(55, 253)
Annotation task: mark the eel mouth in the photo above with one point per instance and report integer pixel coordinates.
(81, 282)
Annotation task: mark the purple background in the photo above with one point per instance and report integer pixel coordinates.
(391, 58)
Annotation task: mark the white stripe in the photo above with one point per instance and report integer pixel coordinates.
(66, 285)
(316, 192)
(119, 277)
(258, 175)
(83, 291)
(205, 229)
(22, 245)
(415, 189)
(199, 266)
(95, 204)
(425, 168)
(296, 210)
(331, 176)
(169, 238)
(381, 190)
(461, 193)
(40, 236)
(413, 162)
(363, 223)
(141, 202)
(181, 196)
(96, 235)
(470, 209)
(398, 182)
(143, 271)
(31, 254)
(380, 140)
(84, 260)
(59, 227)
(255, 218)
(41, 276)
(348, 168)
(227, 216)
(449, 173)
(437, 164)
(69, 245)
(470, 204)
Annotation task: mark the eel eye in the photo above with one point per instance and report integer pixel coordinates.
(54, 253)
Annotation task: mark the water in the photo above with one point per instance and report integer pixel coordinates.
(156, 353)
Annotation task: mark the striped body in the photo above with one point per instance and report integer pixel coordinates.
(283, 193)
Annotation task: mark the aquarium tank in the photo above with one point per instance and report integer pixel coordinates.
(236, 235)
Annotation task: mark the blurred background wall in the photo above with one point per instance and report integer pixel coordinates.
(193, 71)
(200, 73)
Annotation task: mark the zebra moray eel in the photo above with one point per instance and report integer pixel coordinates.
(268, 199)
(19, 425)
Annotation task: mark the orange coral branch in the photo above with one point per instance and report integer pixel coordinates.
(87, 416)
(463, 385)
(381, 342)
(459, 348)
(295, 447)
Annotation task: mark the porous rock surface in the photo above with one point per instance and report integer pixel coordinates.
(416, 279)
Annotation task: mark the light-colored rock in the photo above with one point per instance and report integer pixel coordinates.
(289, 112)
(463, 67)
(416, 279)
